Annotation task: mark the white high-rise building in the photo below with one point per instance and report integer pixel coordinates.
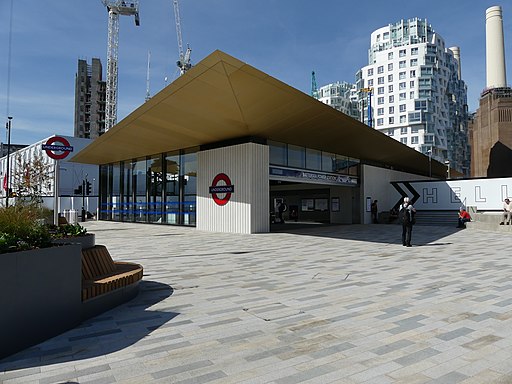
(418, 96)
(341, 96)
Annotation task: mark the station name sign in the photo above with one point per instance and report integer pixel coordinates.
(279, 173)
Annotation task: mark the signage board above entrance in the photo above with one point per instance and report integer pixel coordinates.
(311, 177)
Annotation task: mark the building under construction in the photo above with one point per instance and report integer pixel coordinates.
(491, 126)
(90, 97)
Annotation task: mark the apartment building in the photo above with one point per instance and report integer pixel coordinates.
(417, 94)
(341, 96)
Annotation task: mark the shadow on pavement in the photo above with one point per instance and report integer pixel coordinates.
(376, 233)
(104, 334)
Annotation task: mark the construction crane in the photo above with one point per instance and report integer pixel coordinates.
(314, 88)
(115, 8)
(184, 58)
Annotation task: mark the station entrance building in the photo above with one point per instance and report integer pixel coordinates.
(221, 146)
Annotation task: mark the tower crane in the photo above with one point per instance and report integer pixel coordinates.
(115, 8)
(314, 88)
(184, 59)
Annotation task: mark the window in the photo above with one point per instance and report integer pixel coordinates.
(414, 129)
(380, 111)
(402, 96)
(380, 90)
(391, 120)
(414, 51)
(414, 117)
(390, 54)
(402, 107)
(370, 82)
(401, 53)
(390, 78)
(414, 62)
(385, 36)
(380, 100)
(403, 140)
(401, 64)
(380, 69)
(390, 88)
(390, 66)
(313, 159)
(412, 74)
(391, 110)
(380, 121)
(414, 140)
(296, 156)
(380, 80)
(411, 95)
(420, 105)
(370, 72)
(403, 119)
(401, 76)
(391, 132)
(402, 85)
(391, 98)
(403, 131)
(411, 84)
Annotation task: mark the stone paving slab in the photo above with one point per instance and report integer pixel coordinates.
(333, 304)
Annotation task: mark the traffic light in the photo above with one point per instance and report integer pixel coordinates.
(88, 189)
(79, 190)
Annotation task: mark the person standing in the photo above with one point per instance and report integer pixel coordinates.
(406, 217)
(507, 212)
(374, 209)
(281, 208)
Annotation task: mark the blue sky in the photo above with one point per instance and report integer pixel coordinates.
(284, 38)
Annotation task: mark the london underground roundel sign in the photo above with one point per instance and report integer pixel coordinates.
(57, 152)
(221, 185)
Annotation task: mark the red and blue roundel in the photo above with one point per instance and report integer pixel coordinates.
(225, 188)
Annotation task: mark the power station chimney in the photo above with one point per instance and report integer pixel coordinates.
(495, 48)
(456, 55)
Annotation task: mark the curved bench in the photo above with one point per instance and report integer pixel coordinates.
(101, 274)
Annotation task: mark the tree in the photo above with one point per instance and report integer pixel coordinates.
(31, 179)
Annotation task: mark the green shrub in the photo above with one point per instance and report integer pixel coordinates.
(67, 230)
(20, 229)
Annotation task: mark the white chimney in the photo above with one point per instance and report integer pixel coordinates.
(456, 55)
(495, 48)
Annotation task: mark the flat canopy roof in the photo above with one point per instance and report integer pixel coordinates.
(222, 98)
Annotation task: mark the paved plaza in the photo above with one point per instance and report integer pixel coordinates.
(330, 304)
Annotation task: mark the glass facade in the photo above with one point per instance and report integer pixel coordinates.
(288, 155)
(155, 189)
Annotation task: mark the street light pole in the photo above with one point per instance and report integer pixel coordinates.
(7, 175)
(429, 163)
(447, 162)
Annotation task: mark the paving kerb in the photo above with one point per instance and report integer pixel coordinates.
(336, 304)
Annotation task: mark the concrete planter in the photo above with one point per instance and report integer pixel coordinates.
(86, 241)
(40, 295)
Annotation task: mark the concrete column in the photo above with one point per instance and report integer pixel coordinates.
(495, 48)
(233, 189)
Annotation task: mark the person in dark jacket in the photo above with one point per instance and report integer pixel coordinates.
(406, 218)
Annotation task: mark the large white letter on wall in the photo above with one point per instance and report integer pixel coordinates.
(242, 206)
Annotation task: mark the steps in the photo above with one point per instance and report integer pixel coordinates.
(438, 218)
(488, 221)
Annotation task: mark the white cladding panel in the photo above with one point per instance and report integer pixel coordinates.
(247, 211)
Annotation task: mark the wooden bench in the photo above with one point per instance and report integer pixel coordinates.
(101, 274)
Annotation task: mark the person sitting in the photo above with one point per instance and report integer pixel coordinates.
(507, 212)
(464, 217)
